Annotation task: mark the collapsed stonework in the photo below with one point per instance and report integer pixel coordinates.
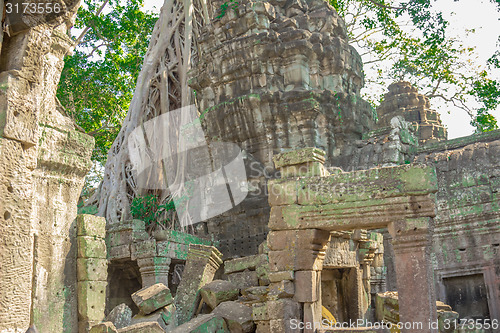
(342, 208)
(44, 160)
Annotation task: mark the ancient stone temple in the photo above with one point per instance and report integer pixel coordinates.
(44, 160)
(353, 214)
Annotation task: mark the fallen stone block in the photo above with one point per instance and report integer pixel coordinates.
(241, 264)
(282, 289)
(203, 324)
(120, 316)
(237, 316)
(256, 293)
(152, 298)
(219, 291)
(148, 327)
(106, 327)
(244, 280)
(165, 317)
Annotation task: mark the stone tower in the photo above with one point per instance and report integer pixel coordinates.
(404, 100)
(274, 76)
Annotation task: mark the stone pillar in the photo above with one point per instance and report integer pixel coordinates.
(201, 264)
(417, 296)
(154, 270)
(92, 271)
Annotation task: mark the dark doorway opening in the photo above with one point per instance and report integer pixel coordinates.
(468, 296)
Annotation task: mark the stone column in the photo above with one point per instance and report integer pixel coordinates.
(92, 271)
(201, 264)
(416, 292)
(154, 270)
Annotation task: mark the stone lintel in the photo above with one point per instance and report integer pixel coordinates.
(342, 216)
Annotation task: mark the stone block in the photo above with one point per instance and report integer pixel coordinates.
(282, 289)
(295, 260)
(280, 276)
(282, 326)
(244, 280)
(165, 317)
(152, 298)
(203, 324)
(120, 316)
(91, 300)
(143, 249)
(219, 291)
(263, 326)
(283, 309)
(259, 311)
(299, 156)
(256, 293)
(106, 327)
(238, 316)
(90, 247)
(241, 264)
(92, 269)
(147, 327)
(90, 225)
(263, 248)
(307, 284)
(119, 252)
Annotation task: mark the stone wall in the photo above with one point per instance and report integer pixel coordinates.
(43, 159)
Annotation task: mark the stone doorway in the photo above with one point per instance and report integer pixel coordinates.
(468, 296)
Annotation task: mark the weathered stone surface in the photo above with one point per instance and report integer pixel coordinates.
(165, 317)
(241, 264)
(219, 291)
(201, 264)
(283, 309)
(203, 324)
(120, 316)
(244, 280)
(92, 269)
(91, 300)
(237, 316)
(152, 298)
(307, 286)
(106, 327)
(281, 289)
(91, 247)
(90, 225)
(259, 311)
(146, 327)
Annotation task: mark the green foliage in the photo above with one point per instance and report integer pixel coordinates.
(225, 6)
(148, 209)
(411, 37)
(98, 80)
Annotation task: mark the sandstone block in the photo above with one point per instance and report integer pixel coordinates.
(283, 326)
(90, 225)
(143, 249)
(106, 327)
(91, 300)
(238, 316)
(202, 324)
(152, 298)
(283, 309)
(279, 276)
(307, 284)
(282, 289)
(288, 260)
(219, 291)
(263, 326)
(241, 264)
(256, 293)
(244, 280)
(120, 316)
(92, 269)
(259, 311)
(148, 327)
(90, 247)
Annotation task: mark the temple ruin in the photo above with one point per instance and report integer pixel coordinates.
(353, 215)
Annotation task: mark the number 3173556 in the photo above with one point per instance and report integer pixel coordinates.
(33, 8)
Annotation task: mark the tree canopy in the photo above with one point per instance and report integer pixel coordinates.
(98, 80)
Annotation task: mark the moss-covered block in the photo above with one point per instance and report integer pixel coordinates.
(91, 300)
(90, 225)
(92, 269)
(152, 298)
(241, 264)
(91, 247)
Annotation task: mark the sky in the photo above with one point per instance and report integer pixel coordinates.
(481, 15)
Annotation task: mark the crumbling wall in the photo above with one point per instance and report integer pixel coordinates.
(467, 230)
(43, 161)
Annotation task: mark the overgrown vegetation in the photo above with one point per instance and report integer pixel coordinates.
(155, 215)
